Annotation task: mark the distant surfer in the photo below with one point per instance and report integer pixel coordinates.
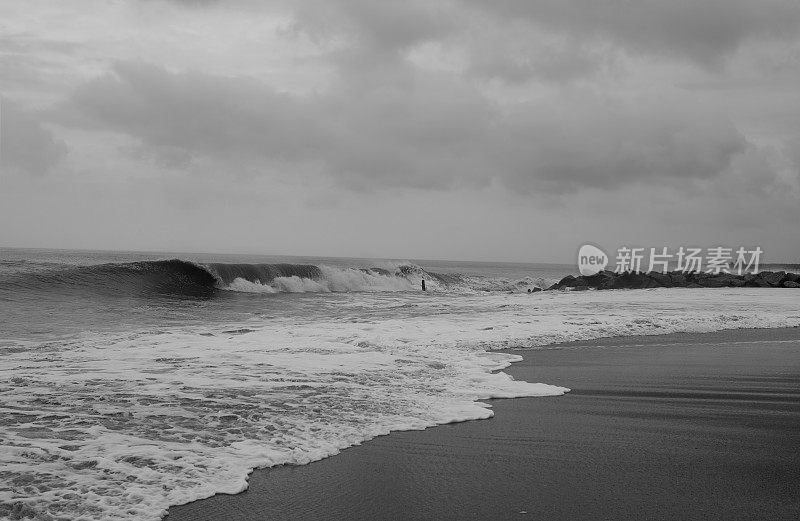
(423, 284)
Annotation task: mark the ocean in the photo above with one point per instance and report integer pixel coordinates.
(131, 382)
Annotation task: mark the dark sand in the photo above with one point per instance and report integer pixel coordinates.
(682, 426)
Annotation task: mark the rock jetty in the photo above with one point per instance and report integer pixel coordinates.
(678, 279)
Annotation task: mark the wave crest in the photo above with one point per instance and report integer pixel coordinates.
(183, 278)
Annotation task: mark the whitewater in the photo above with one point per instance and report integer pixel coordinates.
(124, 393)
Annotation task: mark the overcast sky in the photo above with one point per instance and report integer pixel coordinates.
(458, 129)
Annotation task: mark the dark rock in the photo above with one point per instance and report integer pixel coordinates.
(566, 282)
(791, 277)
(678, 279)
(758, 281)
(773, 279)
(690, 275)
(663, 279)
(630, 280)
(621, 281)
(598, 279)
(535, 290)
(634, 281)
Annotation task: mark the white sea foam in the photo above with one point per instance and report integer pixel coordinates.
(334, 280)
(122, 426)
(400, 277)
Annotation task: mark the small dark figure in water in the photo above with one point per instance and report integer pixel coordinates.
(529, 290)
(423, 284)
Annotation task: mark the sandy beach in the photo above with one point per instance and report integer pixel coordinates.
(679, 426)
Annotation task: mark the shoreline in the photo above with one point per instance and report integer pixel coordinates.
(541, 457)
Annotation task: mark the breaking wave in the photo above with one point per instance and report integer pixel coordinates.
(183, 278)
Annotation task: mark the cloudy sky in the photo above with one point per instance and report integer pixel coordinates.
(458, 129)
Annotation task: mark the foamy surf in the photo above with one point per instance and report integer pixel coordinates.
(123, 425)
(332, 280)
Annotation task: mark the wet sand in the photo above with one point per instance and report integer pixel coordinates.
(682, 426)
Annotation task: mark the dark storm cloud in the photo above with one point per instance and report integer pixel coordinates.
(592, 144)
(702, 31)
(503, 39)
(705, 31)
(368, 40)
(383, 26)
(197, 112)
(25, 145)
(428, 131)
(389, 136)
(559, 65)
